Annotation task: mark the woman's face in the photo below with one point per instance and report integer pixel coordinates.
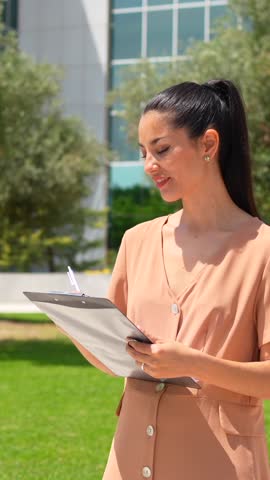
(173, 160)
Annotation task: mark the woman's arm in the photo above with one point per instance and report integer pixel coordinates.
(173, 359)
(247, 378)
(87, 355)
(118, 295)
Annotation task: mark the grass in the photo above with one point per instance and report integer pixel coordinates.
(267, 422)
(56, 412)
(25, 317)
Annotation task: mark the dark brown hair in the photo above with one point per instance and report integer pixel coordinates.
(214, 104)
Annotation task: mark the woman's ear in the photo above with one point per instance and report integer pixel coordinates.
(210, 142)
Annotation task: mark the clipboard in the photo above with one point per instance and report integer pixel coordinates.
(100, 327)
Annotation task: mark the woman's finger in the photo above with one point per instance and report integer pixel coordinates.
(140, 347)
(139, 357)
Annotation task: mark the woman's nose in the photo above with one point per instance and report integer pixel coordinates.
(150, 165)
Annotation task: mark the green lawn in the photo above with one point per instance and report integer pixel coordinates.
(56, 412)
(25, 317)
(267, 422)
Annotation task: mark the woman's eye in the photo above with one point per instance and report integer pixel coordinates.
(164, 150)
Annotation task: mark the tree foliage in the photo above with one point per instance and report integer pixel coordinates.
(239, 51)
(46, 164)
(131, 206)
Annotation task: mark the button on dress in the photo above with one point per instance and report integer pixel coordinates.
(170, 432)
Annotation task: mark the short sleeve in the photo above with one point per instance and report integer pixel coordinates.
(118, 288)
(263, 308)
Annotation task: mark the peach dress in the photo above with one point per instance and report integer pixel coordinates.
(169, 432)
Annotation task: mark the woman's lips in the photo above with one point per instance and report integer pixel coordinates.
(161, 182)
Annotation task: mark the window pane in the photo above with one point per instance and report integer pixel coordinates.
(4, 12)
(159, 34)
(119, 141)
(218, 12)
(163, 68)
(119, 74)
(159, 2)
(246, 22)
(191, 27)
(115, 80)
(127, 177)
(126, 35)
(14, 13)
(10, 13)
(126, 3)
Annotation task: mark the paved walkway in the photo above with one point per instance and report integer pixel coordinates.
(28, 331)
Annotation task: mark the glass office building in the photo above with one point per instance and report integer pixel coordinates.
(96, 41)
(72, 34)
(157, 30)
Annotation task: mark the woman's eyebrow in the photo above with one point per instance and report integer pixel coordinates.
(155, 140)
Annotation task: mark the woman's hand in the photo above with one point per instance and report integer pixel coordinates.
(164, 359)
(170, 359)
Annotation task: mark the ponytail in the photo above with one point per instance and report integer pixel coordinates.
(234, 153)
(215, 104)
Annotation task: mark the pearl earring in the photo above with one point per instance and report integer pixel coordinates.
(207, 158)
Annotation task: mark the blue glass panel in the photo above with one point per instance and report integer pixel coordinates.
(159, 33)
(4, 12)
(127, 176)
(159, 2)
(219, 13)
(126, 3)
(10, 13)
(119, 140)
(126, 35)
(191, 27)
(119, 73)
(247, 24)
(14, 14)
(162, 68)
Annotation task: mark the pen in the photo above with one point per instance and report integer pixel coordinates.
(72, 279)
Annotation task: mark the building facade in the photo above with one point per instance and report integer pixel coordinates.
(73, 34)
(157, 30)
(10, 13)
(95, 42)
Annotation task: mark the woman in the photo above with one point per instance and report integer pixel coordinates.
(198, 283)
